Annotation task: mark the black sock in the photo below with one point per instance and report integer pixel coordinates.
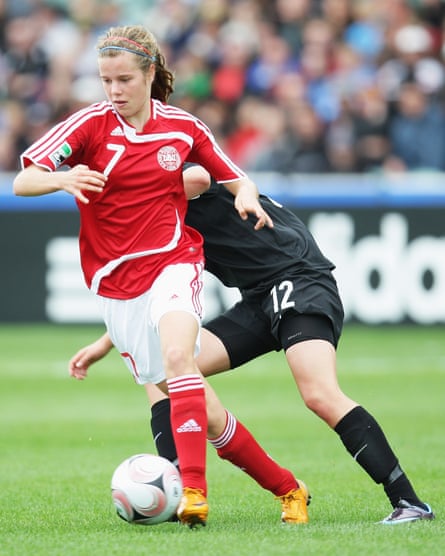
(398, 487)
(162, 431)
(367, 444)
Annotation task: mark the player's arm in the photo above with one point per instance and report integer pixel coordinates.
(234, 179)
(247, 201)
(86, 356)
(35, 180)
(196, 181)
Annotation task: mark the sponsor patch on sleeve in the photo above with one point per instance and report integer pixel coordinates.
(61, 154)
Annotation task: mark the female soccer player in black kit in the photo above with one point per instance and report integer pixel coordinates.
(289, 300)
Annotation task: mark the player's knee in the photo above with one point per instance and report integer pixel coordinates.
(317, 403)
(314, 403)
(176, 360)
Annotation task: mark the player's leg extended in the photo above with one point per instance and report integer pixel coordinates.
(231, 439)
(236, 444)
(212, 358)
(178, 331)
(313, 365)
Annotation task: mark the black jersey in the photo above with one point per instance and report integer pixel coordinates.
(252, 259)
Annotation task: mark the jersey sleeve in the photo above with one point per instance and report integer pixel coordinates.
(62, 145)
(209, 154)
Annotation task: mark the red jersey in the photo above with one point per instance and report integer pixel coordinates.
(135, 227)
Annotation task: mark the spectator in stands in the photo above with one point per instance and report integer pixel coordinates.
(339, 15)
(341, 143)
(412, 58)
(248, 136)
(273, 60)
(417, 131)
(13, 122)
(370, 117)
(302, 148)
(316, 68)
(290, 18)
(320, 53)
(25, 61)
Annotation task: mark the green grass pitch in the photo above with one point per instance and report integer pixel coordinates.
(60, 441)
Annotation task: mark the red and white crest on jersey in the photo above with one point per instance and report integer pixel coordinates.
(169, 159)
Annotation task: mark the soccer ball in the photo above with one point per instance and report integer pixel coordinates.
(146, 489)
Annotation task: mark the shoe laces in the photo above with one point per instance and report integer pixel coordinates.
(295, 494)
(193, 493)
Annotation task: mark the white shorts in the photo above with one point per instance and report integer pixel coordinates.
(133, 323)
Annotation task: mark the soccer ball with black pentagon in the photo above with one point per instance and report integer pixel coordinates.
(146, 489)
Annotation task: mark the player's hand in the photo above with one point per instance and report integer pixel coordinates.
(80, 179)
(80, 362)
(246, 202)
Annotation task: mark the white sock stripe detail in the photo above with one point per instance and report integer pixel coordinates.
(185, 388)
(226, 436)
(184, 383)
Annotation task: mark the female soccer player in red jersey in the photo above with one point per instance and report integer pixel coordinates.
(124, 161)
(289, 301)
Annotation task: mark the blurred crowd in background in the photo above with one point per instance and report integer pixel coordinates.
(308, 86)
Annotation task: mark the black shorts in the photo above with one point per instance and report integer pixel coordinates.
(296, 309)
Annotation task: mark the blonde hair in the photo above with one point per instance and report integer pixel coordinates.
(141, 42)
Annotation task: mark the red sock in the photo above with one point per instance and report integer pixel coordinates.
(237, 445)
(189, 425)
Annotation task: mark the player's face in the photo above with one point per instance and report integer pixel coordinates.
(127, 86)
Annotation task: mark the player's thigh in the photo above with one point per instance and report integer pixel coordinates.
(244, 331)
(176, 309)
(309, 343)
(213, 357)
(128, 321)
(179, 287)
(178, 332)
(313, 366)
